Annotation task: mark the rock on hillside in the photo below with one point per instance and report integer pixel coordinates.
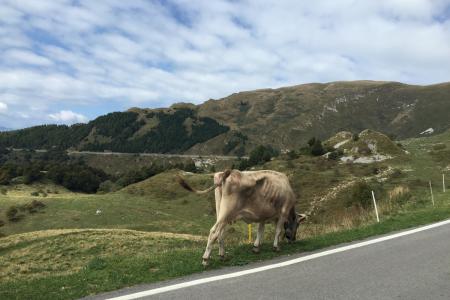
(368, 146)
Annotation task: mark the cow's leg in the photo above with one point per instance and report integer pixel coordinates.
(222, 244)
(259, 238)
(278, 229)
(218, 198)
(214, 233)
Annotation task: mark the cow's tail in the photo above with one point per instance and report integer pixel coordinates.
(186, 186)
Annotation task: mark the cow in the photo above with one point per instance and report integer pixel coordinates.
(254, 197)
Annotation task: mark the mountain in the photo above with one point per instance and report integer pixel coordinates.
(4, 128)
(157, 131)
(288, 117)
(284, 118)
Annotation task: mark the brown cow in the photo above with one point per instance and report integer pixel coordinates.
(255, 197)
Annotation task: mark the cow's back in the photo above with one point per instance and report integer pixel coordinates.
(271, 196)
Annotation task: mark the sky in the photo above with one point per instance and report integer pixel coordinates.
(67, 61)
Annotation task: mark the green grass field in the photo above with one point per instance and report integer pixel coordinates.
(154, 230)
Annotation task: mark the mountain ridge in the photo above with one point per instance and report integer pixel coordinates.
(285, 118)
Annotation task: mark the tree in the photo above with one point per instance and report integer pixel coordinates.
(317, 148)
(311, 141)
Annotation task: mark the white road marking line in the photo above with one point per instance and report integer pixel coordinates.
(274, 266)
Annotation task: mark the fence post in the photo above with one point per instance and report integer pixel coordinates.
(431, 191)
(443, 182)
(249, 227)
(375, 205)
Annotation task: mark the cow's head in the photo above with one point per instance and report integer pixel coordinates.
(291, 226)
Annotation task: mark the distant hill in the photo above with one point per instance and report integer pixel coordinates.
(158, 131)
(284, 118)
(4, 128)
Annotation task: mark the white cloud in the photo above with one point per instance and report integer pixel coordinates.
(58, 55)
(25, 57)
(3, 108)
(68, 117)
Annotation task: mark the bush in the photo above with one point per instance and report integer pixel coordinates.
(107, 187)
(336, 154)
(360, 195)
(77, 177)
(2, 223)
(317, 148)
(34, 194)
(400, 194)
(396, 173)
(32, 207)
(3, 191)
(355, 137)
(311, 141)
(259, 155)
(12, 213)
(262, 154)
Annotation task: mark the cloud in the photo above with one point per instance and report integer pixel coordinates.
(3, 108)
(68, 117)
(99, 56)
(25, 57)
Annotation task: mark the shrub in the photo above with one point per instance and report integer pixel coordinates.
(107, 187)
(336, 154)
(400, 194)
(355, 137)
(34, 194)
(259, 155)
(311, 141)
(396, 173)
(317, 148)
(360, 194)
(76, 177)
(2, 223)
(32, 207)
(3, 191)
(262, 154)
(12, 213)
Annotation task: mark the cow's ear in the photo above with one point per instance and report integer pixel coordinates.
(301, 218)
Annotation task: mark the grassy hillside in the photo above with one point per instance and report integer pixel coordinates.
(82, 244)
(284, 118)
(287, 117)
(172, 130)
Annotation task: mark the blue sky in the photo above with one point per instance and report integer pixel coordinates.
(68, 61)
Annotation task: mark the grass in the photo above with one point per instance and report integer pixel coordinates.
(73, 264)
(154, 230)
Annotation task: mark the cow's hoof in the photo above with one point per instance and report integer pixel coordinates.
(205, 262)
(256, 250)
(222, 257)
(276, 249)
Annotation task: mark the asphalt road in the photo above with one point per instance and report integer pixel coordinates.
(416, 266)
